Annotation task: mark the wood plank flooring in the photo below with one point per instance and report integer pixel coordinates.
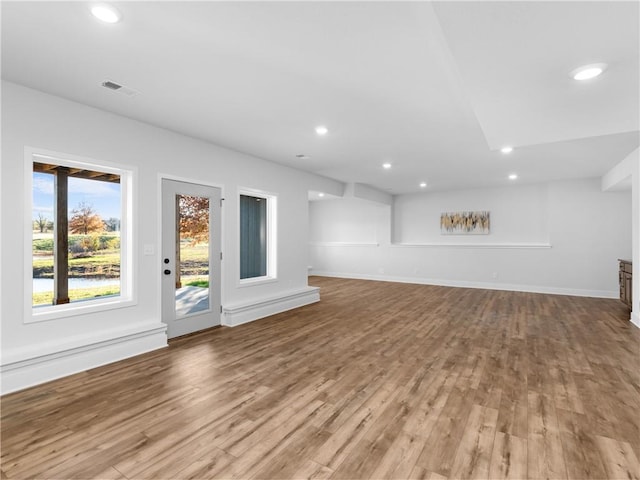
(378, 380)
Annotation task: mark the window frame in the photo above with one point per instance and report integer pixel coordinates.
(128, 294)
(272, 238)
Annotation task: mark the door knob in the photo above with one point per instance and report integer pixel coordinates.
(167, 272)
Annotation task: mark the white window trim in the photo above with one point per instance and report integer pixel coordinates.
(128, 233)
(272, 238)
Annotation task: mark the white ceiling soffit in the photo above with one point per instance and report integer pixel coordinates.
(317, 196)
(258, 77)
(515, 59)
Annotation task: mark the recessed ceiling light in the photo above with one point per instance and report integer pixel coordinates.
(513, 176)
(588, 71)
(322, 130)
(321, 194)
(506, 149)
(302, 156)
(386, 166)
(423, 184)
(106, 13)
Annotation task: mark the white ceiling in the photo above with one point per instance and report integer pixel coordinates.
(434, 88)
(518, 77)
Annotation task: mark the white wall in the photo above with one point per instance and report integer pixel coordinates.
(40, 351)
(626, 175)
(349, 220)
(525, 218)
(635, 209)
(560, 237)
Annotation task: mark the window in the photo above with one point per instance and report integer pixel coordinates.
(80, 236)
(257, 237)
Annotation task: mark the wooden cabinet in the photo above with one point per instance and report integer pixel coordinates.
(625, 276)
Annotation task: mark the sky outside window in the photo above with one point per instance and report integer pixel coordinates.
(102, 196)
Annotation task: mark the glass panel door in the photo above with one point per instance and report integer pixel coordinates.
(192, 254)
(191, 260)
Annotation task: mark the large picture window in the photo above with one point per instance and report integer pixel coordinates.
(257, 236)
(79, 235)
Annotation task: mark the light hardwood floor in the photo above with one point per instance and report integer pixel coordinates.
(378, 380)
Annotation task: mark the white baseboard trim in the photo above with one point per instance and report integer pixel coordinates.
(635, 319)
(22, 369)
(237, 314)
(483, 285)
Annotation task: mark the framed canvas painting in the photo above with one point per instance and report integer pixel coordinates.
(465, 223)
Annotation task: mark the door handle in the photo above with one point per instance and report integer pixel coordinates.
(167, 272)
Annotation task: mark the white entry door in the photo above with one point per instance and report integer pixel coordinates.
(191, 257)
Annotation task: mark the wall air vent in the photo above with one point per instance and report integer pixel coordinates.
(111, 85)
(116, 87)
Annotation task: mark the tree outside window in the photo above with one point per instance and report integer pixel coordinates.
(76, 246)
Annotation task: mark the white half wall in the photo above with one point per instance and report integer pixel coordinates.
(38, 120)
(562, 237)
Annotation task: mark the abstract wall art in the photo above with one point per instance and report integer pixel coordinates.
(464, 223)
